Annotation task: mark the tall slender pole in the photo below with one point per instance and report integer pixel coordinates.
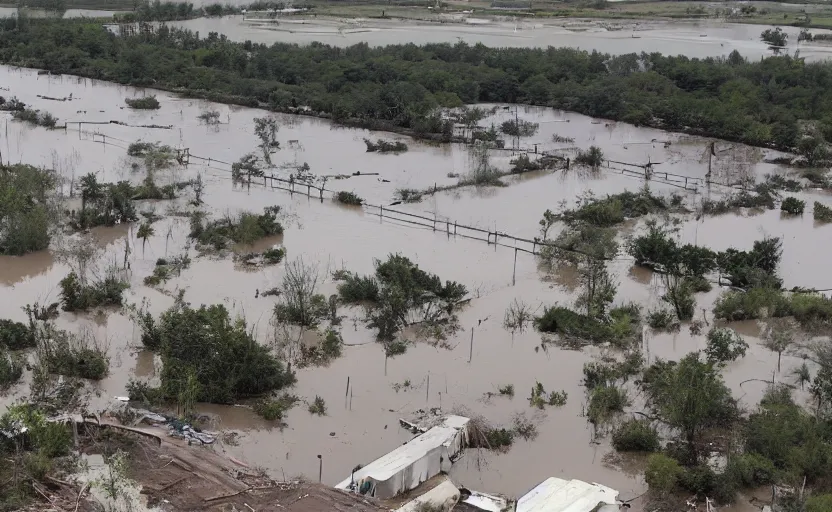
(514, 274)
(320, 468)
(471, 350)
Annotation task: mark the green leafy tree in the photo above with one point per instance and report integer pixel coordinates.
(145, 231)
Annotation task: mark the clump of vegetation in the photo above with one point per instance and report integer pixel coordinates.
(540, 399)
(517, 316)
(11, 369)
(635, 436)
(349, 198)
(227, 362)
(793, 206)
(31, 453)
(483, 172)
(274, 408)
(576, 242)
(27, 211)
(144, 103)
(519, 128)
(662, 320)
(245, 228)
(11, 105)
(17, 335)
(156, 155)
(774, 37)
(762, 196)
(209, 117)
(35, 117)
(560, 139)
(592, 157)
(408, 195)
(821, 212)
(318, 406)
(605, 402)
(327, 350)
(618, 327)
(165, 268)
(613, 209)
(78, 294)
(63, 353)
(400, 294)
(247, 167)
(611, 374)
(385, 146)
(724, 345)
(104, 204)
(300, 303)
(507, 390)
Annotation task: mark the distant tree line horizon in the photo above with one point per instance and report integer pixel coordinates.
(769, 103)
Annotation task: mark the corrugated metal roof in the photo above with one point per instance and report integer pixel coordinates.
(558, 495)
(388, 465)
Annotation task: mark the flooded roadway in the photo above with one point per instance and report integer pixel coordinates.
(334, 237)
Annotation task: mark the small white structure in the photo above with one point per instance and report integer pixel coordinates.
(558, 495)
(406, 467)
(444, 495)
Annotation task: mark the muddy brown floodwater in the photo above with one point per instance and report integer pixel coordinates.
(362, 427)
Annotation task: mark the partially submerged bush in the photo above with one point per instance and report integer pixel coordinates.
(519, 128)
(540, 398)
(763, 196)
(752, 304)
(35, 117)
(401, 293)
(793, 206)
(724, 345)
(592, 157)
(318, 406)
(64, 353)
(618, 327)
(245, 228)
(385, 146)
(227, 361)
(662, 320)
(822, 213)
(16, 335)
(613, 209)
(635, 436)
(27, 213)
(274, 408)
(662, 473)
(144, 103)
(11, 369)
(349, 198)
(604, 403)
(575, 242)
(79, 296)
(328, 349)
(408, 195)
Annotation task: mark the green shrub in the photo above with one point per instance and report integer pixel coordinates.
(604, 403)
(139, 391)
(635, 436)
(614, 209)
(385, 146)
(245, 229)
(499, 438)
(662, 473)
(751, 470)
(752, 304)
(144, 103)
(318, 406)
(793, 206)
(349, 198)
(662, 319)
(274, 255)
(26, 212)
(822, 213)
(507, 390)
(229, 363)
(16, 335)
(819, 503)
(355, 288)
(35, 117)
(724, 345)
(76, 296)
(273, 409)
(64, 353)
(592, 157)
(11, 369)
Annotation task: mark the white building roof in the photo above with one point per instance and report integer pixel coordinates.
(406, 455)
(558, 495)
(442, 495)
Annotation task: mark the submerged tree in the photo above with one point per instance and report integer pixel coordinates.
(300, 303)
(266, 130)
(778, 337)
(145, 231)
(689, 396)
(597, 287)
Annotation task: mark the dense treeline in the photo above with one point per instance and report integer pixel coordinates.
(401, 85)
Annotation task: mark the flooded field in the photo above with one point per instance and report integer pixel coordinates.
(692, 38)
(360, 427)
